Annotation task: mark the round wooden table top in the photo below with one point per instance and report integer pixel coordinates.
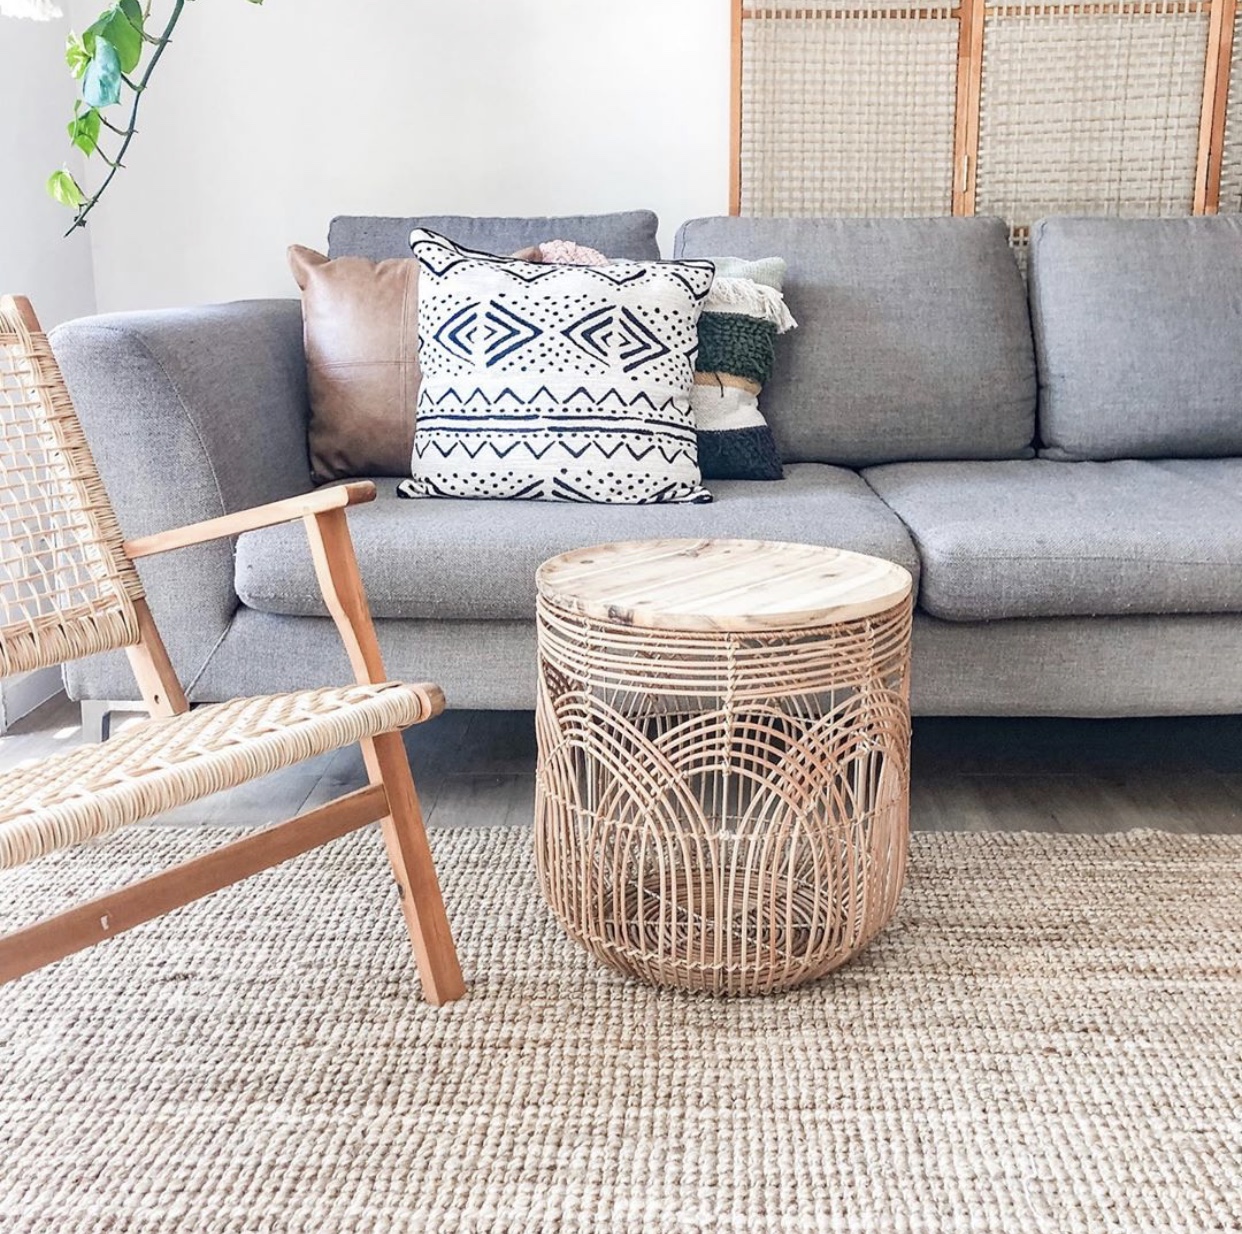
(733, 585)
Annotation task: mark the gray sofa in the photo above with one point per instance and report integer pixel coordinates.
(1064, 480)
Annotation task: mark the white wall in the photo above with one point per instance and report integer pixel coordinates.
(36, 101)
(265, 122)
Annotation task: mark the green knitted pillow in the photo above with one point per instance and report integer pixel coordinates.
(743, 314)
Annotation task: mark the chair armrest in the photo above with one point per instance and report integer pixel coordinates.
(338, 497)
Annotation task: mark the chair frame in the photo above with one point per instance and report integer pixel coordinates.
(389, 799)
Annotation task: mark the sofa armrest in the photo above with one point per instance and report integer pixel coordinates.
(192, 414)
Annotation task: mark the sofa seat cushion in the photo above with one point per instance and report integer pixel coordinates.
(477, 559)
(1040, 538)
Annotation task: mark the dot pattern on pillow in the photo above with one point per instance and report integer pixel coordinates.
(553, 382)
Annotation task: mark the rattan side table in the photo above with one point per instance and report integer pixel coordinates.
(724, 738)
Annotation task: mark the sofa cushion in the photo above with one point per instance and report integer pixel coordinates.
(913, 338)
(477, 559)
(742, 315)
(545, 382)
(1138, 328)
(1040, 538)
(359, 328)
(631, 234)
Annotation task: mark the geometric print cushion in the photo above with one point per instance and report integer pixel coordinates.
(555, 382)
(743, 314)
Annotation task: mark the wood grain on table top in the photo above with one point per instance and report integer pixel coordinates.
(734, 585)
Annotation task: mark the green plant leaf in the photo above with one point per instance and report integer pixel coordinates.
(84, 130)
(114, 26)
(101, 84)
(78, 53)
(64, 188)
(133, 10)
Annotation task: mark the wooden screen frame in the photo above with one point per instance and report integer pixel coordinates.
(1217, 71)
(971, 14)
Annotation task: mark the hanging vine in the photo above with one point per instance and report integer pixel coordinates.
(107, 58)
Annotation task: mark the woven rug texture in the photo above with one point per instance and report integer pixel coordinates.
(1047, 1038)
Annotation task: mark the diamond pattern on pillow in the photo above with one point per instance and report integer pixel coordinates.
(555, 382)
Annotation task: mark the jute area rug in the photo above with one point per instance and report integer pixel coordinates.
(1049, 1038)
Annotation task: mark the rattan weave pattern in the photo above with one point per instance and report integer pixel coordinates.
(848, 109)
(722, 811)
(1089, 112)
(157, 765)
(851, 108)
(66, 586)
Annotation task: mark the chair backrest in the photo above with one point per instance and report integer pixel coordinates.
(66, 587)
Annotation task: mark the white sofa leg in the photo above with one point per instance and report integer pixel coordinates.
(96, 719)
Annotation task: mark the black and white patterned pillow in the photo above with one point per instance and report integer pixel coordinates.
(555, 383)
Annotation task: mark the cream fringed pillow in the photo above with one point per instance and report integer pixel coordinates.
(555, 382)
(741, 318)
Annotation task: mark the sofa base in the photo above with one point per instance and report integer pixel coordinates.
(1086, 667)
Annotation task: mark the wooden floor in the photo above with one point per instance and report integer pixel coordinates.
(476, 769)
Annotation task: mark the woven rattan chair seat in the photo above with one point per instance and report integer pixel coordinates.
(159, 764)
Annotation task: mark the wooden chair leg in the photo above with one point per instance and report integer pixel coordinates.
(336, 567)
(410, 855)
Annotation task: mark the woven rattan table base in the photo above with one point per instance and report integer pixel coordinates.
(723, 811)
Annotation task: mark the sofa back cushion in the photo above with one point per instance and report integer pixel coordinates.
(1138, 329)
(913, 340)
(631, 234)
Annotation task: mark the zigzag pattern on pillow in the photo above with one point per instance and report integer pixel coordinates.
(556, 383)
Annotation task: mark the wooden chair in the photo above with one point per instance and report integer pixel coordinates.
(68, 588)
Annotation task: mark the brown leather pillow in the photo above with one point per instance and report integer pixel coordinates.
(360, 325)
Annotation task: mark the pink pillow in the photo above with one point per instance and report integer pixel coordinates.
(563, 253)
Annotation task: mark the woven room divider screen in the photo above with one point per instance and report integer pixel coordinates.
(1018, 108)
